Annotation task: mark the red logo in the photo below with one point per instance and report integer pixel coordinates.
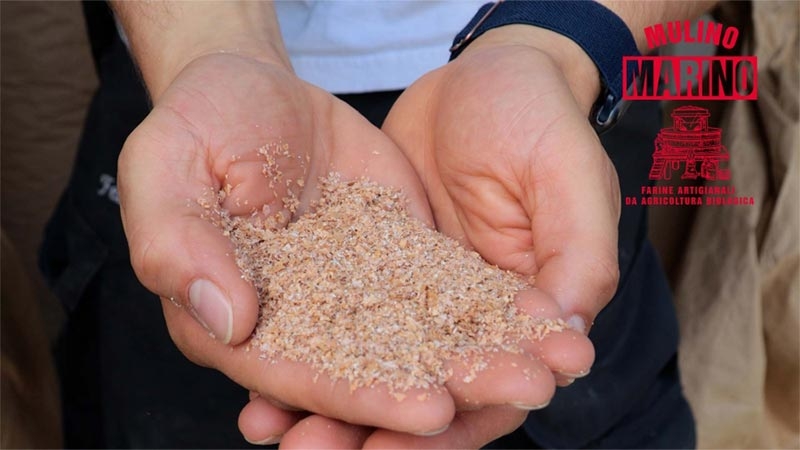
(690, 148)
(686, 77)
(690, 143)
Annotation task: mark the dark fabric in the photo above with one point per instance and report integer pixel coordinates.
(100, 27)
(374, 106)
(124, 383)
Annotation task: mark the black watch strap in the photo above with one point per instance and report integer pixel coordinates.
(595, 28)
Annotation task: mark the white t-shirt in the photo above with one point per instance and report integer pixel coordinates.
(354, 46)
(366, 46)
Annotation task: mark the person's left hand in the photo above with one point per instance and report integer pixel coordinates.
(512, 167)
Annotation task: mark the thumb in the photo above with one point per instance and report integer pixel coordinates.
(175, 252)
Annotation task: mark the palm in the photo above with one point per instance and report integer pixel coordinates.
(509, 162)
(223, 108)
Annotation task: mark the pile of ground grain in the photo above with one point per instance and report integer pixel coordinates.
(362, 291)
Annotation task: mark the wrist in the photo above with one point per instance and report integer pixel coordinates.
(159, 73)
(581, 22)
(578, 68)
(166, 36)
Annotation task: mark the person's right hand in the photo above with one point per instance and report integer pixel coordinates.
(203, 133)
(222, 87)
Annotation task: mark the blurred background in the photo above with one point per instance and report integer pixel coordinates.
(48, 78)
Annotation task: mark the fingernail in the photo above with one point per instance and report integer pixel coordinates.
(268, 441)
(211, 309)
(525, 407)
(576, 375)
(434, 432)
(576, 323)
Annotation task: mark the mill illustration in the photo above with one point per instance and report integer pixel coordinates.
(691, 142)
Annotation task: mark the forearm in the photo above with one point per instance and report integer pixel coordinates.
(166, 35)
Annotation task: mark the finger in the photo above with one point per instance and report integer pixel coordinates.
(175, 252)
(469, 429)
(563, 380)
(321, 432)
(526, 379)
(251, 185)
(262, 423)
(300, 386)
(507, 379)
(568, 353)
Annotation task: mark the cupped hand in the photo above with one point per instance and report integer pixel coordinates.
(201, 136)
(512, 167)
